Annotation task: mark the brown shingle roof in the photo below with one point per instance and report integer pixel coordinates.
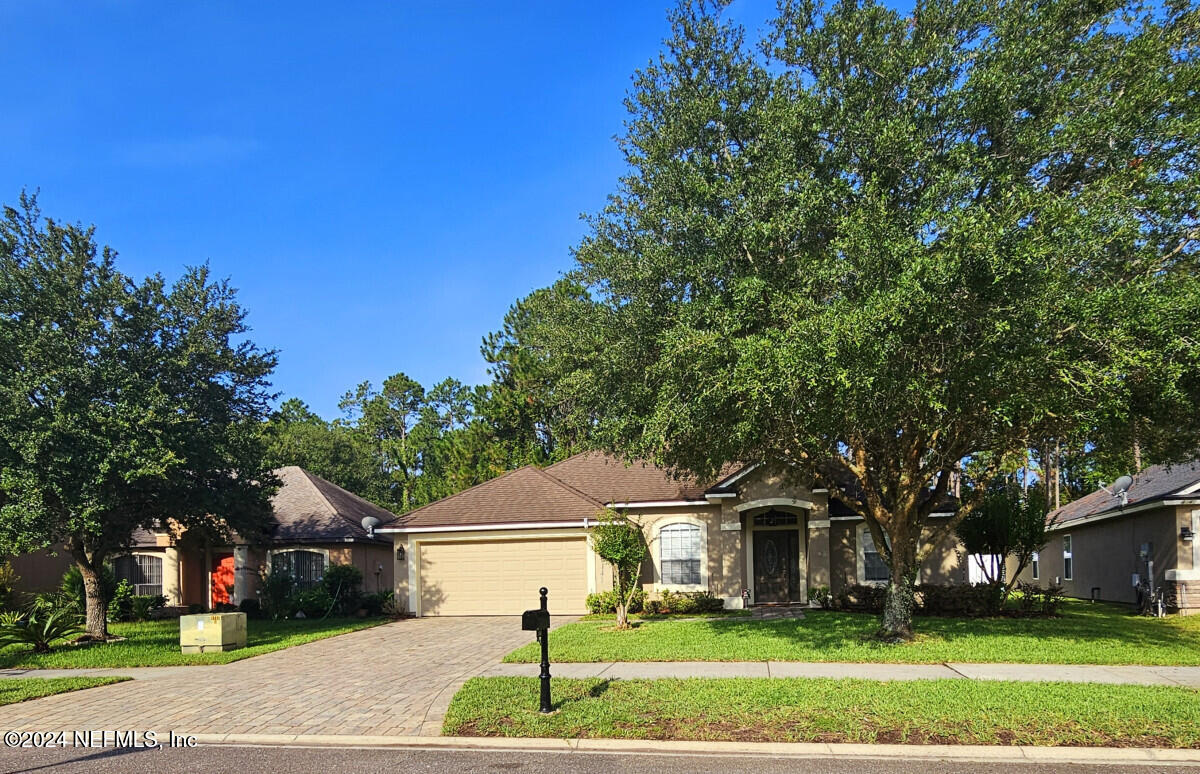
(1156, 482)
(309, 509)
(610, 480)
(519, 496)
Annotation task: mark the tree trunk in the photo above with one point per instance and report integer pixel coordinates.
(896, 624)
(622, 608)
(96, 604)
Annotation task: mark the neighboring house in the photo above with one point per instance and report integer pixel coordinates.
(487, 550)
(1100, 548)
(317, 523)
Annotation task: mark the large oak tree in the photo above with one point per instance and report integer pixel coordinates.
(891, 250)
(123, 404)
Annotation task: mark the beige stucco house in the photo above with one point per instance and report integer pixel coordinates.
(316, 523)
(487, 550)
(1102, 546)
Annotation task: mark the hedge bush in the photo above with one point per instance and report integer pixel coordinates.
(956, 600)
(606, 602)
(861, 598)
(685, 603)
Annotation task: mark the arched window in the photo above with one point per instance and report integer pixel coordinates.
(679, 554)
(305, 568)
(143, 571)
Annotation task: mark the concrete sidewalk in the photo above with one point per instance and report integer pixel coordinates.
(629, 670)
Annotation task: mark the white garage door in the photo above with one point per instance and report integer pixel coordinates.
(502, 577)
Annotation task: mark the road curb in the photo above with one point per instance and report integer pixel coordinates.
(976, 753)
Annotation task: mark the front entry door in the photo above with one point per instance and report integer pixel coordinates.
(222, 580)
(776, 566)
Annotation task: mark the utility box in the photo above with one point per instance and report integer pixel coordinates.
(212, 633)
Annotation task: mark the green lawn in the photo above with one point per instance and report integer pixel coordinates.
(156, 643)
(22, 689)
(1085, 634)
(824, 710)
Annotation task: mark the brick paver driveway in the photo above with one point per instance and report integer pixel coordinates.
(392, 679)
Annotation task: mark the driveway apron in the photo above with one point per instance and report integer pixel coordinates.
(397, 678)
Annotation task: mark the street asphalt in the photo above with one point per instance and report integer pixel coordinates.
(248, 760)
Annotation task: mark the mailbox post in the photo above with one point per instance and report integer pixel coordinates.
(539, 621)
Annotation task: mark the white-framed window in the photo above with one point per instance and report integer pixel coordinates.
(1035, 565)
(681, 554)
(143, 571)
(871, 566)
(305, 568)
(1068, 559)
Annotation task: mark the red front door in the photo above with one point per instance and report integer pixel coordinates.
(222, 579)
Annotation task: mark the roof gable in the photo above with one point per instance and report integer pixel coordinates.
(309, 508)
(524, 495)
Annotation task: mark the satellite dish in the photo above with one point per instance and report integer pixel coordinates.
(1122, 484)
(369, 523)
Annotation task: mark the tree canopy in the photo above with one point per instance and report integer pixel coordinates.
(892, 250)
(123, 404)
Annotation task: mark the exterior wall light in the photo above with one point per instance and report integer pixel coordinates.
(399, 553)
(1186, 534)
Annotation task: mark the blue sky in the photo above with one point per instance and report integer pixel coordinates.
(380, 180)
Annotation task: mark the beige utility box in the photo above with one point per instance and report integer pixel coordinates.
(212, 633)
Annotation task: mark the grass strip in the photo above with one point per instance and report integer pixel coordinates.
(25, 688)
(1084, 634)
(156, 643)
(828, 710)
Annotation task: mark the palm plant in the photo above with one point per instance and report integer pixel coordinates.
(40, 627)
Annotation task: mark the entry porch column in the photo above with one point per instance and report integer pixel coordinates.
(245, 575)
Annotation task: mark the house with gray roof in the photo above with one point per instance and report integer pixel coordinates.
(1104, 546)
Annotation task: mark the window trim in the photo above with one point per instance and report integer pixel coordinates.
(861, 557)
(162, 568)
(1068, 547)
(656, 554)
(312, 549)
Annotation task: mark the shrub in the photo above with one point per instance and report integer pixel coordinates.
(392, 608)
(862, 598)
(275, 595)
(195, 608)
(56, 600)
(72, 585)
(342, 582)
(315, 602)
(40, 628)
(1032, 600)
(142, 607)
(251, 608)
(821, 596)
(960, 600)
(685, 603)
(120, 604)
(605, 602)
(374, 603)
(8, 585)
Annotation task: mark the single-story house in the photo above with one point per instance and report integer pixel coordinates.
(487, 550)
(1102, 545)
(316, 524)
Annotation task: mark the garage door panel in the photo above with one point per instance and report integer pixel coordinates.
(502, 577)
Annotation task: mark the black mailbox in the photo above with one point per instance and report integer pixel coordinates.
(535, 620)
